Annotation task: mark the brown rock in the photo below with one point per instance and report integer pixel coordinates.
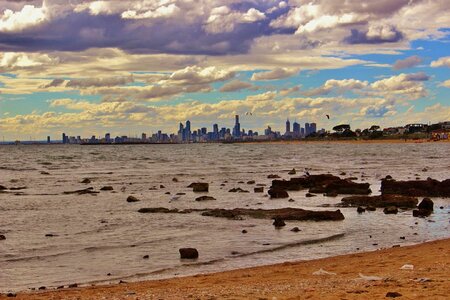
(251, 182)
(278, 222)
(393, 294)
(360, 209)
(421, 213)
(273, 176)
(277, 193)
(426, 204)
(107, 188)
(292, 172)
(417, 188)
(188, 253)
(86, 180)
(200, 187)
(390, 210)
(132, 199)
(259, 189)
(380, 201)
(205, 198)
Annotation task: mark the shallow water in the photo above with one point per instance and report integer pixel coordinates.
(97, 235)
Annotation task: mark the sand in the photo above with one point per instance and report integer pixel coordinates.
(429, 279)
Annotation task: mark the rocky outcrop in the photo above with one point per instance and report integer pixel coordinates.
(417, 188)
(276, 193)
(284, 213)
(107, 188)
(425, 208)
(421, 213)
(188, 253)
(390, 210)
(2, 188)
(380, 201)
(132, 199)
(199, 187)
(205, 198)
(323, 183)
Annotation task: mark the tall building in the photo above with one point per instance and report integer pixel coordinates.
(144, 137)
(48, 140)
(181, 133)
(108, 137)
(307, 129)
(296, 129)
(216, 131)
(313, 128)
(187, 134)
(288, 127)
(64, 138)
(237, 127)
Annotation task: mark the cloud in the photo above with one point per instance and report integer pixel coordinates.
(376, 34)
(407, 62)
(409, 85)
(441, 62)
(275, 74)
(235, 85)
(54, 83)
(340, 86)
(446, 84)
(19, 60)
(82, 83)
(28, 16)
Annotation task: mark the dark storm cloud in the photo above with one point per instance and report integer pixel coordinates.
(407, 62)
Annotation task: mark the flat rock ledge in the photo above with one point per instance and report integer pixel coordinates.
(236, 213)
(380, 201)
(417, 188)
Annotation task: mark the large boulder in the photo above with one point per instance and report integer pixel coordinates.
(188, 253)
(390, 210)
(132, 199)
(380, 201)
(417, 188)
(421, 213)
(277, 193)
(199, 187)
(426, 204)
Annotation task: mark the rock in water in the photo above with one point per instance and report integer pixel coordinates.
(259, 189)
(421, 213)
(2, 237)
(2, 188)
(426, 204)
(132, 199)
(278, 222)
(107, 188)
(205, 198)
(292, 172)
(390, 210)
(251, 182)
(199, 187)
(86, 180)
(277, 193)
(295, 229)
(360, 209)
(393, 294)
(188, 253)
(380, 201)
(425, 188)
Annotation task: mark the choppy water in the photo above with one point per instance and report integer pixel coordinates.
(97, 235)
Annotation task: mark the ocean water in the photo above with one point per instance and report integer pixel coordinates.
(102, 238)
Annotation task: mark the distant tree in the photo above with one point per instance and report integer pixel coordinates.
(374, 128)
(341, 128)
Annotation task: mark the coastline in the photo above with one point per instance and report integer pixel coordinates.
(429, 279)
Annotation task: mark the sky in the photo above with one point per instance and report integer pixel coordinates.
(128, 67)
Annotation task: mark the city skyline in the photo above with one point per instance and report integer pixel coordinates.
(137, 66)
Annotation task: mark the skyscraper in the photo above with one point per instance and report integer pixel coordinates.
(313, 128)
(288, 127)
(181, 133)
(296, 129)
(237, 127)
(187, 134)
(307, 129)
(64, 138)
(216, 131)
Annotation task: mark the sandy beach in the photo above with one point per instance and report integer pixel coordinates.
(429, 278)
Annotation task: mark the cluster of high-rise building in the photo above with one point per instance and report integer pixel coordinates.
(186, 134)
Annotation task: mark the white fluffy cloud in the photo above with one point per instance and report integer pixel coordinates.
(275, 74)
(441, 62)
(223, 19)
(28, 16)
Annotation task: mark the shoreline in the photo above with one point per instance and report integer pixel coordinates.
(429, 278)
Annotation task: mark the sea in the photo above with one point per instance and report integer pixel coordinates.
(55, 239)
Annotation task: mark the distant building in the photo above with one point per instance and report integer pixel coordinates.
(144, 137)
(307, 129)
(108, 138)
(288, 127)
(296, 129)
(312, 128)
(64, 138)
(237, 127)
(48, 140)
(187, 133)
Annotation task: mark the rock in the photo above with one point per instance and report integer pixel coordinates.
(146, 257)
(360, 209)
(132, 199)
(441, 207)
(180, 194)
(2, 188)
(205, 198)
(421, 213)
(237, 190)
(390, 210)
(323, 183)
(277, 193)
(402, 238)
(331, 194)
(251, 182)
(259, 189)
(73, 285)
(426, 204)
(188, 253)
(388, 177)
(309, 195)
(89, 190)
(199, 187)
(109, 274)
(417, 188)
(174, 179)
(45, 173)
(273, 176)
(291, 200)
(167, 193)
(278, 222)
(261, 184)
(162, 186)
(42, 288)
(86, 180)
(292, 172)
(380, 201)
(342, 173)
(152, 210)
(295, 229)
(11, 295)
(244, 231)
(240, 181)
(60, 287)
(107, 188)
(2, 237)
(371, 208)
(393, 294)
(50, 235)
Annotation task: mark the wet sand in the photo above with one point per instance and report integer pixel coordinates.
(429, 279)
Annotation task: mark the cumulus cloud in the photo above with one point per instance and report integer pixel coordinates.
(54, 83)
(340, 86)
(20, 60)
(275, 74)
(408, 62)
(446, 84)
(235, 85)
(223, 19)
(82, 83)
(409, 85)
(441, 62)
(28, 16)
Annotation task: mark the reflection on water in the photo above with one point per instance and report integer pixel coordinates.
(94, 235)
